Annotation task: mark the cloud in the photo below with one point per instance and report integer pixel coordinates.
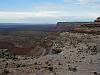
(89, 1)
(50, 12)
(83, 1)
(23, 15)
(43, 14)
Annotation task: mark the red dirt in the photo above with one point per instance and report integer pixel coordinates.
(14, 50)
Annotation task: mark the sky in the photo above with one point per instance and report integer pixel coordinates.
(48, 11)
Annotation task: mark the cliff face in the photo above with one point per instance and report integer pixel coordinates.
(68, 26)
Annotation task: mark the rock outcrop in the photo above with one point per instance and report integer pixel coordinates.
(92, 28)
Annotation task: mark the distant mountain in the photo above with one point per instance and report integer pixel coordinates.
(21, 26)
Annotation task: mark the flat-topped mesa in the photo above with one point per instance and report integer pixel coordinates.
(66, 26)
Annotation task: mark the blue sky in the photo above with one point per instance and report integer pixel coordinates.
(48, 11)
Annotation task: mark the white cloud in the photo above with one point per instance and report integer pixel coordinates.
(50, 11)
(43, 14)
(23, 15)
(89, 1)
(82, 1)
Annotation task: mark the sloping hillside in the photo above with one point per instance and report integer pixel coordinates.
(79, 55)
(70, 54)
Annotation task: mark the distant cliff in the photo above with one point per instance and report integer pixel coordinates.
(68, 26)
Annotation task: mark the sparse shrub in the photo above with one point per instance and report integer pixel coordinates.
(95, 73)
(47, 62)
(46, 67)
(36, 68)
(3, 60)
(83, 57)
(56, 51)
(35, 63)
(72, 69)
(50, 68)
(23, 65)
(55, 73)
(59, 63)
(14, 58)
(18, 65)
(93, 50)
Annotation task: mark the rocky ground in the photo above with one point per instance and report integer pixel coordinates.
(71, 54)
